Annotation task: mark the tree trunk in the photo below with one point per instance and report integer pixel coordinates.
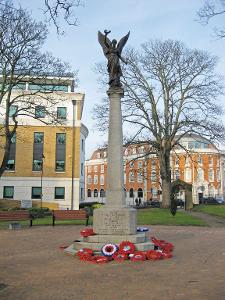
(165, 172)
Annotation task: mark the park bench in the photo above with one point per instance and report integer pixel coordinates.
(69, 215)
(17, 215)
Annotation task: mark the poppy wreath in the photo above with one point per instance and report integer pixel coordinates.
(118, 256)
(87, 232)
(126, 247)
(85, 253)
(99, 259)
(109, 249)
(165, 246)
(142, 229)
(154, 255)
(167, 254)
(138, 256)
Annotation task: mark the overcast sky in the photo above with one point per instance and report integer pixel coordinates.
(163, 19)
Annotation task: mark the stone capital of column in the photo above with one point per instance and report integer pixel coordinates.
(115, 90)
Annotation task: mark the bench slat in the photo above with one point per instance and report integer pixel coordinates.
(69, 215)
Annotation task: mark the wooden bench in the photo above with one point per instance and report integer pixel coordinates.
(69, 215)
(17, 215)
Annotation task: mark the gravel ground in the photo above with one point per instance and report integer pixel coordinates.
(33, 267)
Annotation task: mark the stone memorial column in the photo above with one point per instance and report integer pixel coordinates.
(115, 218)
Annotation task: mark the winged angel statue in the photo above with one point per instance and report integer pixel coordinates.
(113, 51)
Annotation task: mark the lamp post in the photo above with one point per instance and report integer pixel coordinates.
(42, 164)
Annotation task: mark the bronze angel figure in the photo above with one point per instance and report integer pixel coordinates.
(112, 51)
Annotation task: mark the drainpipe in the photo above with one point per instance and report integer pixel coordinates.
(73, 155)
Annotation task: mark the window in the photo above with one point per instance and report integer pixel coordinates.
(134, 151)
(177, 161)
(154, 193)
(177, 174)
(89, 193)
(210, 160)
(13, 110)
(132, 164)
(89, 169)
(61, 112)
(60, 165)
(140, 193)
(104, 153)
(139, 177)
(10, 166)
(60, 138)
(188, 175)
(126, 152)
(82, 144)
(153, 163)
(59, 193)
(60, 152)
(190, 145)
(96, 179)
(38, 151)
(200, 174)
(140, 165)
(98, 155)
(36, 193)
(95, 169)
(89, 179)
(8, 192)
(211, 175)
(141, 149)
(102, 179)
(48, 87)
(199, 159)
(95, 193)
(153, 176)
(131, 193)
(40, 111)
(102, 193)
(102, 168)
(38, 138)
(131, 177)
(81, 169)
(37, 165)
(81, 193)
(187, 161)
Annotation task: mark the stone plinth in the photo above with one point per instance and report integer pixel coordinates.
(114, 221)
(140, 237)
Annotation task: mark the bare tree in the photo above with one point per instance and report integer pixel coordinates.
(22, 62)
(56, 11)
(212, 9)
(170, 91)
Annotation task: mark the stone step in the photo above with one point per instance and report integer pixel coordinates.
(140, 237)
(147, 245)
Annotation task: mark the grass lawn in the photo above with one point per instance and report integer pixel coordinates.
(216, 210)
(159, 216)
(150, 216)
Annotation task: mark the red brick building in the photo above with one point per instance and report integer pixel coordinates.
(201, 165)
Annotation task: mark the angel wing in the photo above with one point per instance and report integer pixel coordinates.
(122, 42)
(104, 42)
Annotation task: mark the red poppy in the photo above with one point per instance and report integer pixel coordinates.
(99, 259)
(138, 256)
(153, 254)
(85, 251)
(87, 232)
(118, 256)
(126, 247)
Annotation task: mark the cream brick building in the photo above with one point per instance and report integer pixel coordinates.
(47, 161)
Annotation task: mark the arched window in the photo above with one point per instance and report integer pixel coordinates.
(131, 177)
(140, 193)
(95, 193)
(89, 193)
(131, 193)
(102, 193)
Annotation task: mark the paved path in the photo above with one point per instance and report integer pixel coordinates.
(212, 221)
(32, 267)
